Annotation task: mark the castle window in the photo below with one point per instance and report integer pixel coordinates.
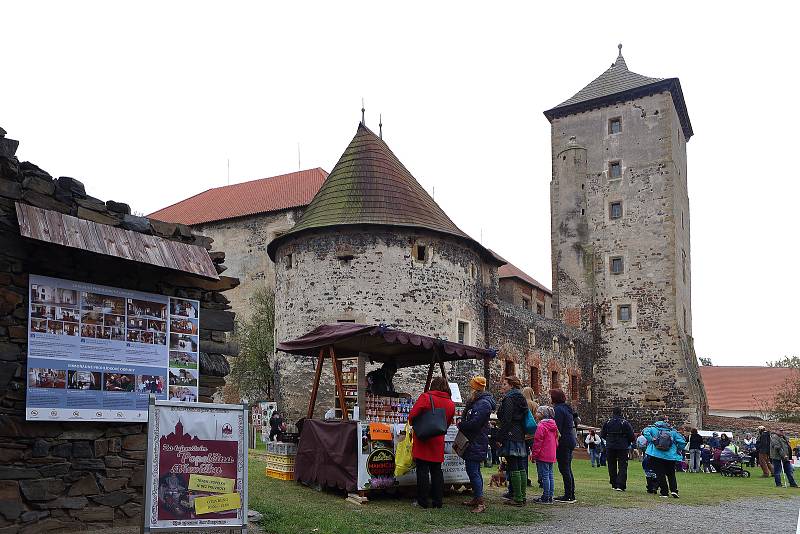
(540, 308)
(614, 170)
(617, 265)
(473, 271)
(615, 210)
(508, 369)
(526, 303)
(684, 319)
(555, 344)
(532, 338)
(624, 312)
(536, 381)
(573, 386)
(615, 125)
(288, 261)
(684, 265)
(571, 348)
(463, 332)
(420, 252)
(554, 383)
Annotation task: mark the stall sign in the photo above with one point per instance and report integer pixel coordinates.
(381, 463)
(96, 353)
(196, 466)
(380, 432)
(455, 393)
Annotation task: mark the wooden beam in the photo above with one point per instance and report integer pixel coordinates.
(430, 376)
(313, 400)
(337, 375)
(444, 374)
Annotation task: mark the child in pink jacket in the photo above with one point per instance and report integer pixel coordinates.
(543, 451)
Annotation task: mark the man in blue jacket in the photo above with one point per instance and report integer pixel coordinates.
(664, 446)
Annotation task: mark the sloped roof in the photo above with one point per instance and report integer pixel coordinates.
(370, 186)
(512, 271)
(618, 84)
(736, 388)
(248, 198)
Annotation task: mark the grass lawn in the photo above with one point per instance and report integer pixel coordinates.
(291, 508)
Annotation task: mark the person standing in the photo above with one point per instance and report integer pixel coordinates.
(494, 437)
(713, 441)
(695, 444)
(749, 446)
(592, 442)
(780, 452)
(618, 434)
(545, 443)
(530, 398)
(762, 447)
(567, 441)
(275, 423)
(429, 453)
(511, 414)
(664, 446)
(475, 426)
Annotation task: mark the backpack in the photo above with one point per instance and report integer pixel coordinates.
(663, 441)
(529, 426)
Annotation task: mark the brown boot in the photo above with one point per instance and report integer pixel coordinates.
(479, 506)
(472, 502)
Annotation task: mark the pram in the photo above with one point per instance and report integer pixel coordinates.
(732, 464)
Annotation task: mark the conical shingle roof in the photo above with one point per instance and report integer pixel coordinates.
(370, 186)
(618, 84)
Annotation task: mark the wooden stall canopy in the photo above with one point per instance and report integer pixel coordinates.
(69, 231)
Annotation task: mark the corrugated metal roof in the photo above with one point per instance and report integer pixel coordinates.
(248, 198)
(369, 185)
(512, 271)
(737, 388)
(69, 231)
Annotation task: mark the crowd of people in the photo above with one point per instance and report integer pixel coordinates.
(517, 431)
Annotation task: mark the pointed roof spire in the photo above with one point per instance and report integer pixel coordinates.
(380, 125)
(362, 112)
(370, 186)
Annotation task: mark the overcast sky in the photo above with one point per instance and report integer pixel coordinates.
(147, 103)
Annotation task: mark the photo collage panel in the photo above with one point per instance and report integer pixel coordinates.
(184, 349)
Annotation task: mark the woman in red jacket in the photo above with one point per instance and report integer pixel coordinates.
(429, 453)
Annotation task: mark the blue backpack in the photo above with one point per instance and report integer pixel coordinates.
(530, 424)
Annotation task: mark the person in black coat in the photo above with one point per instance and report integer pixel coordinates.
(762, 446)
(695, 454)
(475, 426)
(618, 434)
(568, 439)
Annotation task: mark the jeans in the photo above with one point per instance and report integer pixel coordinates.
(618, 468)
(787, 466)
(545, 471)
(665, 472)
(475, 477)
(694, 460)
(564, 458)
(594, 457)
(430, 483)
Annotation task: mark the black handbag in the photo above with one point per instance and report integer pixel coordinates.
(431, 423)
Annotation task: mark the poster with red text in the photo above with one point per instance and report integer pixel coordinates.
(197, 466)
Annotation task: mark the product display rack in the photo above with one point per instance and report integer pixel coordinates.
(348, 367)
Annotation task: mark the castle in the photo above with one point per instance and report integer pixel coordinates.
(371, 246)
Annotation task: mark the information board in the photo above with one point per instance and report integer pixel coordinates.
(95, 353)
(196, 466)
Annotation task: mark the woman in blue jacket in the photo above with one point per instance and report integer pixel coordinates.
(475, 426)
(664, 446)
(567, 440)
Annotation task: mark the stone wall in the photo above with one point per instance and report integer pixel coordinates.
(71, 476)
(648, 364)
(370, 276)
(513, 290)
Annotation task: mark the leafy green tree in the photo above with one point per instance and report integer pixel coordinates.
(705, 361)
(251, 375)
(786, 361)
(785, 405)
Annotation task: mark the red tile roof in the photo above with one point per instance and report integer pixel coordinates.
(736, 388)
(249, 198)
(511, 271)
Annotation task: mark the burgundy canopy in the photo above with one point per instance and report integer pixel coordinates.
(382, 344)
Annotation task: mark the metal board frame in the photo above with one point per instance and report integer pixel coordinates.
(152, 441)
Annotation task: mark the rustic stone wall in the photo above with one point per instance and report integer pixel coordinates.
(647, 365)
(370, 276)
(70, 476)
(513, 290)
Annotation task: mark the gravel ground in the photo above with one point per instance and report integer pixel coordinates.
(732, 517)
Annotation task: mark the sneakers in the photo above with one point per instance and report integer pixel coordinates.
(619, 489)
(542, 500)
(564, 500)
(514, 503)
(664, 496)
(674, 494)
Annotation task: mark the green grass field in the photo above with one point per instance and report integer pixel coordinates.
(291, 508)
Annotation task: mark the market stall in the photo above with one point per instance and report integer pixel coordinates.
(357, 452)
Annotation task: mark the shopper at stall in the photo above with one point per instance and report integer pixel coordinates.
(568, 439)
(475, 426)
(429, 453)
(512, 414)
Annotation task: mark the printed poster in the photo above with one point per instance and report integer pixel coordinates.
(197, 466)
(97, 353)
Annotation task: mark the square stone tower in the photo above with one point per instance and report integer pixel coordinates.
(620, 241)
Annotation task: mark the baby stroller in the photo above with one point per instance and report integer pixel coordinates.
(731, 464)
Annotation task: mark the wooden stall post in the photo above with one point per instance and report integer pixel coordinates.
(444, 374)
(362, 382)
(337, 376)
(430, 376)
(313, 400)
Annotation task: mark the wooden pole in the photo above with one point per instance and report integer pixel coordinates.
(313, 400)
(430, 376)
(337, 375)
(444, 374)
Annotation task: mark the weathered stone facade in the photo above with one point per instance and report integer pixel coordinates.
(520, 293)
(639, 309)
(58, 476)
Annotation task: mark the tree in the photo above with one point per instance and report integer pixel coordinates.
(785, 405)
(706, 362)
(251, 374)
(786, 361)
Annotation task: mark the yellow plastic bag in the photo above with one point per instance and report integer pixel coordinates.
(403, 459)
